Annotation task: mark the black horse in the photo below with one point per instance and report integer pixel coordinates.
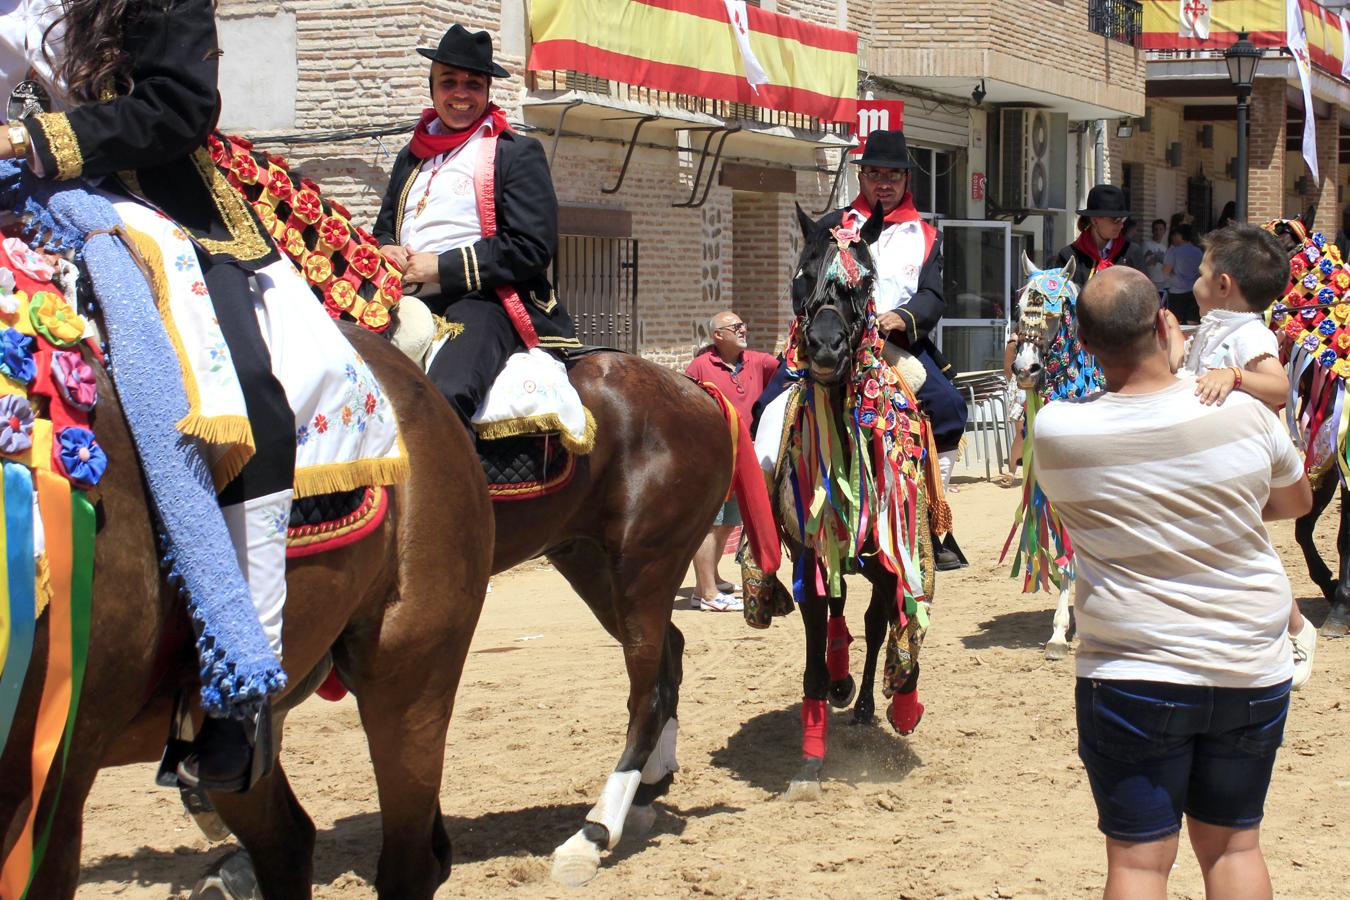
(831, 293)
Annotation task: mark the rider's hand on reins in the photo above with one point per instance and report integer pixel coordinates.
(890, 321)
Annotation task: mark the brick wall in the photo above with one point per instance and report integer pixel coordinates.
(1265, 151)
(996, 40)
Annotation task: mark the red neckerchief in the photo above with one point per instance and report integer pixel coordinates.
(426, 145)
(1087, 245)
(904, 212)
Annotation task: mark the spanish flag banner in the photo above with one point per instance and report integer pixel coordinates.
(692, 47)
(1166, 21)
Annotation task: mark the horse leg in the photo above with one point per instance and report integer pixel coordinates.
(1058, 645)
(805, 785)
(277, 833)
(59, 874)
(632, 602)
(1337, 624)
(659, 771)
(876, 622)
(1318, 570)
(842, 686)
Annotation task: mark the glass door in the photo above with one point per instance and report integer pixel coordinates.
(977, 287)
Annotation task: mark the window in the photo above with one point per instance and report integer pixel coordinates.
(935, 182)
(597, 279)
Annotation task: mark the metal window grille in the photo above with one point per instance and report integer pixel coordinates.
(1119, 20)
(597, 279)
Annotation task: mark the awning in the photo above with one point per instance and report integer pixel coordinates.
(1263, 20)
(689, 47)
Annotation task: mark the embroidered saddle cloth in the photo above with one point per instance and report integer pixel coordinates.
(532, 395)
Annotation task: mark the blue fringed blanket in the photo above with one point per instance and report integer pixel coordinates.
(238, 669)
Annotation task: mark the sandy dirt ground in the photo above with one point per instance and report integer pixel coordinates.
(987, 799)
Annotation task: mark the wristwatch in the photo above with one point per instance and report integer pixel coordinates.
(18, 139)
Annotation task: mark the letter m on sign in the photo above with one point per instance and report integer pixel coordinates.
(878, 115)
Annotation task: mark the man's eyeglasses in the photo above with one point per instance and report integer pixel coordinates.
(739, 328)
(889, 176)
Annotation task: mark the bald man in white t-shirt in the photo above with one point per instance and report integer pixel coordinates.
(1181, 601)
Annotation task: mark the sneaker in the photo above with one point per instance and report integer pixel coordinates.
(1304, 645)
(721, 603)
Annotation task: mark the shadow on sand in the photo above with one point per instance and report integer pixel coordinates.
(1021, 630)
(765, 751)
(352, 845)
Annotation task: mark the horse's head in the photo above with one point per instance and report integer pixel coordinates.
(1042, 306)
(830, 294)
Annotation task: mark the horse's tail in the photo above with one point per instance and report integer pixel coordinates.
(747, 482)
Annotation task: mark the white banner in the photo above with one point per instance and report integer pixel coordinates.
(1297, 39)
(1345, 47)
(1194, 19)
(740, 26)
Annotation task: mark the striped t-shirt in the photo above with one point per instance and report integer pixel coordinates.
(1177, 580)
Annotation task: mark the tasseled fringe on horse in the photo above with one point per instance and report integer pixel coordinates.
(446, 329)
(228, 467)
(939, 510)
(336, 478)
(538, 425)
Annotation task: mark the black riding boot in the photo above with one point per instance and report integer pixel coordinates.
(221, 757)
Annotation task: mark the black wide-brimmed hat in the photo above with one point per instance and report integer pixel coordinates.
(885, 150)
(468, 50)
(1105, 200)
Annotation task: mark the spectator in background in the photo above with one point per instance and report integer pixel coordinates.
(1343, 236)
(1155, 249)
(1181, 267)
(740, 374)
(1182, 603)
(1228, 216)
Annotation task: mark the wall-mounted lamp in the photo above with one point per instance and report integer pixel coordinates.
(1125, 129)
(979, 93)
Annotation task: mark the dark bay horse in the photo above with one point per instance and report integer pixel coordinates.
(832, 316)
(395, 612)
(622, 533)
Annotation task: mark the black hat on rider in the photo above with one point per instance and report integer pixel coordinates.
(468, 50)
(1106, 200)
(886, 150)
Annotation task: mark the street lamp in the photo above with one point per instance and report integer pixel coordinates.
(1242, 59)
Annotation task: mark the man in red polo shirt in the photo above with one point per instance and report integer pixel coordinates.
(741, 375)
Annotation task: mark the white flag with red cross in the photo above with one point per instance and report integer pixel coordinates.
(1194, 19)
(740, 26)
(1296, 38)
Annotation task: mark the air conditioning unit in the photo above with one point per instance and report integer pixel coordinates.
(1033, 148)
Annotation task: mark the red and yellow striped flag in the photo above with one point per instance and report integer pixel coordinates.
(689, 47)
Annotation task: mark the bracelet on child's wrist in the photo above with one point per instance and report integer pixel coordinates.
(1237, 377)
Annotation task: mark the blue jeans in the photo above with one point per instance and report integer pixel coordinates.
(1154, 750)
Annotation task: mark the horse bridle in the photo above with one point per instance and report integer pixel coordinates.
(1043, 298)
(826, 276)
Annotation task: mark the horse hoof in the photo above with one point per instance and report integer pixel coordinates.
(641, 820)
(575, 862)
(842, 692)
(1334, 627)
(803, 790)
(806, 784)
(232, 879)
(1056, 649)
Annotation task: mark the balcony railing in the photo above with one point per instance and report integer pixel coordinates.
(1119, 20)
(563, 80)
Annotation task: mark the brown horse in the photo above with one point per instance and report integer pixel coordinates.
(622, 533)
(396, 612)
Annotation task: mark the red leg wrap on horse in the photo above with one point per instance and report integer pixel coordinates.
(815, 727)
(906, 711)
(837, 640)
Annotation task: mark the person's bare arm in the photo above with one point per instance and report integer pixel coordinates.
(1176, 341)
(1266, 380)
(1288, 502)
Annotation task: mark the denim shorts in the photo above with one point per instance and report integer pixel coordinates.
(1154, 751)
(729, 514)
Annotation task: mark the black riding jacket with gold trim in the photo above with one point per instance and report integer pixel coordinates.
(519, 254)
(153, 138)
